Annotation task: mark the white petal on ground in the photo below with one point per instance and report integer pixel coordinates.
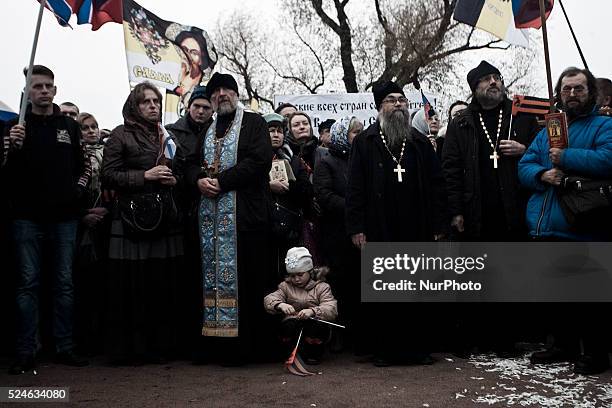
(552, 385)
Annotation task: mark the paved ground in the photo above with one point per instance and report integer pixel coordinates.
(341, 381)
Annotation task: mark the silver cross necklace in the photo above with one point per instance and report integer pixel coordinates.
(494, 156)
(398, 169)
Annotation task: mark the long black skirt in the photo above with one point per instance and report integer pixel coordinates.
(144, 308)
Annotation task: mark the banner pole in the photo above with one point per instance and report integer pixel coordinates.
(26, 92)
(574, 36)
(546, 55)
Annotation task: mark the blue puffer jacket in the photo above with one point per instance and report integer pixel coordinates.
(589, 154)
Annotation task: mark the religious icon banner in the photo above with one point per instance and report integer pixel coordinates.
(170, 55)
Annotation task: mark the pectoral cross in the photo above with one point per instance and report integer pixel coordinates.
(494, 157)
(399, 172)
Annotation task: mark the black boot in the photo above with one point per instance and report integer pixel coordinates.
(23, 364)
(589, 364)
(551, 355)
(312, 350)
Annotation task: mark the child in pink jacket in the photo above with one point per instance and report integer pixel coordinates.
(303, 294)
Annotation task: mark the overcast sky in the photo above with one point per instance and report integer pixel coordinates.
(90, 67)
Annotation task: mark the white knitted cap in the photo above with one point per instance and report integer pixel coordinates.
(298, 260)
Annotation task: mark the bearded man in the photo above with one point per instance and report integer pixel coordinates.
(480, 156)
(541, 170)
(395, 193)
(233, 220)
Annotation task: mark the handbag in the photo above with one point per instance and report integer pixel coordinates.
(586, 202)
(286, 223)
(145, 214)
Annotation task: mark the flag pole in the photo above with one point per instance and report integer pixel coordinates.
(574, 36)
(24, 98)
(546, 55)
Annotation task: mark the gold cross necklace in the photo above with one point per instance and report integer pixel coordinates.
(398, 169)
(494, 156)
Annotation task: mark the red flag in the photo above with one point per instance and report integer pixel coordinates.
(293, 364)
(99, 12)
(527, 12)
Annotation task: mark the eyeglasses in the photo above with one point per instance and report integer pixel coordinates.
(392, 101)
(578, 90)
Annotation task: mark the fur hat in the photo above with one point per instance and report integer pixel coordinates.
(221, 80)
(298, 260)
(382, 89)
(483, 69)
(199, 92)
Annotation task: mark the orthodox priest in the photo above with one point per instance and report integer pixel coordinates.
(232, 177)
(480, 160)
(395, 193)
(486, 202)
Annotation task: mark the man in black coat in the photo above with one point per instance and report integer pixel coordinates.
(480, 157)
(189, 132)
(46, 175)
(486, 202)
(232, 175)
(395, 193)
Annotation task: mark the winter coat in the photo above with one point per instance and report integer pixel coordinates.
(189, 141)
(316, 295)
(95, 155)
(460, 163)
(365, 194)
(249, 177)
(189, 145)
(300, 190)
(589, 154)
(310, 152)
(130, 151)
(329, 181)
(46, 179)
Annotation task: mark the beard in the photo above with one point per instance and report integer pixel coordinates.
(396, 127)
(578, 109)
(489, 98)
(226, 107)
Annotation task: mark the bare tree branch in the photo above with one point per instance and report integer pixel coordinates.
(314, 53)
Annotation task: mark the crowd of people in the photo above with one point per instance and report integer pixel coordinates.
(179, 242)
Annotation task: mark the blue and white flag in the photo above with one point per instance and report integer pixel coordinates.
(6, 113)
(63, 9)
(168, 144)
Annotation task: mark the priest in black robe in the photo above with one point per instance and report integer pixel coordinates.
(395, 193)
(232, 174)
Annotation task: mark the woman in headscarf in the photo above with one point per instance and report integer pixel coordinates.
(146, 247)
(293, 195)
(90, 132)
(305, 146)
(92, 244)
(303, 142)
(330, 190)
(429, 127)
